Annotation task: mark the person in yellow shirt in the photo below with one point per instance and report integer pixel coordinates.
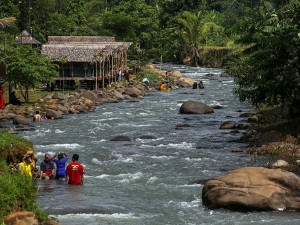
(163, 87)
(26, 166)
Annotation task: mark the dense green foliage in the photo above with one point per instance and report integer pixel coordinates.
(268, 69)
(152, 26)
(27, 68)
(264, 34)
(9, 141)
(17, 193)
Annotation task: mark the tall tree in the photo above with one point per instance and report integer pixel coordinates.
(27, 68)
(268, 70)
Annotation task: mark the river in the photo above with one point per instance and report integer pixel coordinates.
(150, 182)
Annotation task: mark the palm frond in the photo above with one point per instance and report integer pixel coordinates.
(7, 21)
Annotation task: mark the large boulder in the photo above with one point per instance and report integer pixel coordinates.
(183, 83)
(133, 92)
(188, 80)
(52, 114)
(90, 95)
(60, 96)
(21, 218)
(193, 107)
(253, 188)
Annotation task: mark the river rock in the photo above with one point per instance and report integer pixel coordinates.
(182, 83)
(147, 136)
(133, 92)
(118, 95)
(242, 126)
(90, 95)
(8, 116)
(247, 114)
(225, 74)
(228, 125)
(53, 114)
(193, 107)
(110, 100)
(280, 163)
(64, 109)
(253, 189)
(121, 138)
(21, 218)
(60, 96)
(19, 119)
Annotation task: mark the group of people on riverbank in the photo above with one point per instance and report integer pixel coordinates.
(53, 168)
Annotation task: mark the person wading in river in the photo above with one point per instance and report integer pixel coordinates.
(47, 168)
(75, 171)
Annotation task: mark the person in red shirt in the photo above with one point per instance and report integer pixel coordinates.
(75, 171)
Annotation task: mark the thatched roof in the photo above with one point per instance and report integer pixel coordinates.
(26, 38)
(79, 39)
(82, 48)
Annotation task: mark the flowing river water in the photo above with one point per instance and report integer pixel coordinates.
(150, 181)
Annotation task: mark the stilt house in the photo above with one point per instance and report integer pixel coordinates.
(91, 60)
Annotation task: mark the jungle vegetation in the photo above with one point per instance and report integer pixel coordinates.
(261, 37)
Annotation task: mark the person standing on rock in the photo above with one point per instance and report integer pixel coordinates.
(2, 104)
(75, 171)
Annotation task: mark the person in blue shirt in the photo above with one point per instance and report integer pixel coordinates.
(60, 160)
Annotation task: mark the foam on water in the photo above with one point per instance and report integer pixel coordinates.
(161, 157)
(133, 125)
(178, 146)
(59, 146)
(200, 159)
(58, 131)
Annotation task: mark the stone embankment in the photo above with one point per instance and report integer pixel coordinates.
(57, 105)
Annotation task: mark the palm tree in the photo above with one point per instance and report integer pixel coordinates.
(191, 33)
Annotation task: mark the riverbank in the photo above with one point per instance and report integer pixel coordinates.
(17, 192)
(274, 135)
(55, 106)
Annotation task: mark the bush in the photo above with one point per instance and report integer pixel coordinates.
(11, 145)
(17, 193)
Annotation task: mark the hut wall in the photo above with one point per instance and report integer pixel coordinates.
(76, 69)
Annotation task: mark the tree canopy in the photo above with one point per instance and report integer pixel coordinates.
(264, 35)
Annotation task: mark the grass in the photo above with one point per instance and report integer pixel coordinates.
(9, 142)
(17, 193)
(148, 72)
